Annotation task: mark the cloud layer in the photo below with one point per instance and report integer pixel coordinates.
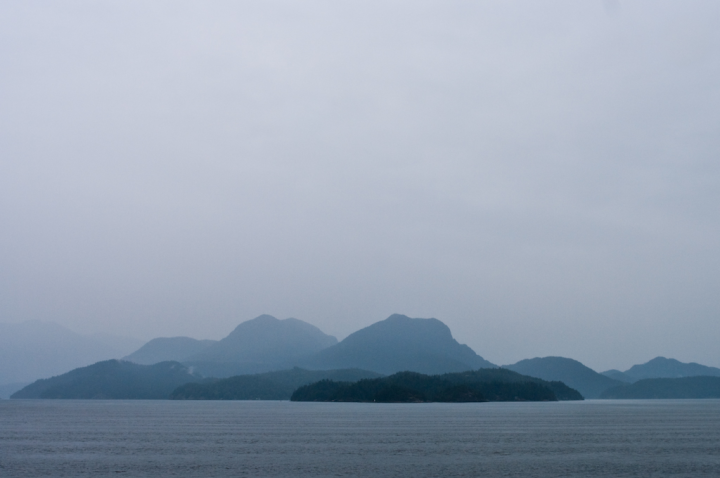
(544, 178)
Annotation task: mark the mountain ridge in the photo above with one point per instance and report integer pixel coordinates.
(112, 379)
(400, 343)
(661, 367)
(569, 371)
(163, 349)
(266, 339)
(694, 387)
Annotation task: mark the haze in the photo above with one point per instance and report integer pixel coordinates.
(543, 177)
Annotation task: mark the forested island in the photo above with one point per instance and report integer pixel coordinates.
(497, 385)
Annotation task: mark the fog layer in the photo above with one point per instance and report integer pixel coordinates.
(543, 177)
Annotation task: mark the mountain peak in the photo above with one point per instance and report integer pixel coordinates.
(399, 317)
(264, 318)
(401, 343)
(266, 339)
(662, 367)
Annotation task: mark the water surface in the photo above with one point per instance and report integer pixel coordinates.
(615, 438)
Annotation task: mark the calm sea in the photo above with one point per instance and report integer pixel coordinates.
(283, 439)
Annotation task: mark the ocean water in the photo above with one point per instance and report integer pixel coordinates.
(594, 438)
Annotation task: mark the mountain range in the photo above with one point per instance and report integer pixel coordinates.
(115, 379)
(677, 388)
(613, 383)
(661, 367)
(265, 344)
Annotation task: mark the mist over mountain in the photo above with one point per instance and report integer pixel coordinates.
(661, 367)
(33, 349)
(165, 349)
(397, 344)
(571, 372)
(112, 379)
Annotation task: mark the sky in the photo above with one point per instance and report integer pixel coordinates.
(543, 177)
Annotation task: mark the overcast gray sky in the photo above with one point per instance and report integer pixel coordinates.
(543, 177)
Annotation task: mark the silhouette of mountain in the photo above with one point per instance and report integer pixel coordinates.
(661, 367)
(571, 372)
(400, 343)
(617, 375)
(112, 379)
(261, 344)
(476, 386)
(277, 385)
(33, 349)
(685, 387)
(165, 349)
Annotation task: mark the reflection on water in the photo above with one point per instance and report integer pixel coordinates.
(169, 438)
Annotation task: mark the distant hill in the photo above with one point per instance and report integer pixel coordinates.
(32, 350)
(661, 367)
(400, 343)
(478, 386)
(685, 387)
(571, 372)
(617, 375)
(262, 344)
(112, 379)
(277, 385)
(165, 349)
